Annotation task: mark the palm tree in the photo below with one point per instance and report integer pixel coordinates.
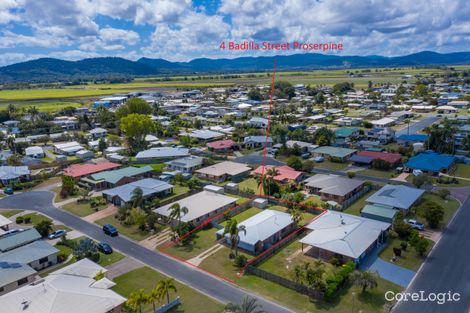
(365, 279)
(248, 305)
(136, 299)
(176, 212)
(164, 287)
(153, 296)
(233, 229)
(137, 197)
(272, 172)
(34, 112)
(295, 214)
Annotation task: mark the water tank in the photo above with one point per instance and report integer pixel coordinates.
(418, 146)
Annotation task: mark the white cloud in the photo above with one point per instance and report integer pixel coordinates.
(6, 14)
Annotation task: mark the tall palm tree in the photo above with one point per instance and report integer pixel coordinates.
(33, 112)
(176, 212)
(296, 214)
(136, 299)
(248, 305)
(233, 229)
(164, 287)
(153, 296)
(271, 173)
(137, 197)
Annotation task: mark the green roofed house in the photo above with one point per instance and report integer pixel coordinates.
(115, 178)
(339, 153)
(379, 213)
(346, 134)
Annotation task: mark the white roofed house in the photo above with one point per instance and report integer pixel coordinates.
(201, 206)
(384, 122)
(10, 174)
(97, 133)
(205, 135)
(343, 236)
(186, 165)
(67, 148)
(72, 289)
(162, 153)
(34, 152)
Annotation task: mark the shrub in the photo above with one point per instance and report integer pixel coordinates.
(27, 219)
(337, 279)
(396, 251)
(404, 245)
(19, 220)
(351, 174)
(443, 193)
(334, 261)
(61, 257)
(240, 261)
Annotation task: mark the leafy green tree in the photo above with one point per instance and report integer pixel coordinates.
(308, 166)
(249, 305)
(102, 145)
(294, 162)
(104, 116)
(137, 197)
(420, 180)
(164, 287)
(432, 212)
(86, 248)
(136, 127)
(134, 106)
(441, 137)
(44, 228)
(255, 94)
(324, 136)
(364, 279)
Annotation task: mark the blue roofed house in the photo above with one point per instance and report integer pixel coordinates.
(431, 163)
(263, 230)
(406, 140)
(151, 188)
(18, 239)
(111, 179)
(347, 134)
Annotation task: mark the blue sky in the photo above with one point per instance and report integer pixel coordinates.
(180, 30)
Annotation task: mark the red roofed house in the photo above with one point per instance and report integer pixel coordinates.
(393, 158)
(221, 145)
(286, 173)
(78, 171)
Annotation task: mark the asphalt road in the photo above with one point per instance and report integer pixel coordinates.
(447, 268)
(41, 201)
(418, 126)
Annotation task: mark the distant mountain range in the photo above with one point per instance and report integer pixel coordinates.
(49, 70)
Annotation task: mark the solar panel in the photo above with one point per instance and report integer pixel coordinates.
(4, 265)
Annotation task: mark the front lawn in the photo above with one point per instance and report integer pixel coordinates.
(132, 231)
(81, 209)
(358, 205)
(462, 170)
(147, 279)
(249, 184)
(450, 205)
(327, 164)
(108, 259)
(377, 173)
(220, 264)
(201, 241)
(409, 258)
(177, 190)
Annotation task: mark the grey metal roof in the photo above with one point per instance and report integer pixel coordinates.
(19, 239)
(186, 162)
(205, 134)
(396, 196)
(13, 172)
(12, 272)
(28, 253)
(333, 184)
(163, 152)
(149, 186)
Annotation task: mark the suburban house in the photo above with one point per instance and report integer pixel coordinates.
(263, 230)
(343, 236)
(431, 163)
(348, 121)
(67, 148)
(222, 146)
(85, 154)
(286, 173)
(18, 239)
(161, 153)
(38, 255)
(407, 140)
(66, 122)
(257, 142)
(341, 154)
(333, 188)
(223, 171)
(150, 187)
(347, 134)
(34, 152)
(10, 174)
(111, 179)
(70, 289)
(201, 206)
(185, 165)
(97, 133)
(205, 135)
(14, 275)
(367, 157)
(4, 224)
(398, 197)
(384, 122)
(303, 146)
(258, 122)
(77, 171)
(382, 135)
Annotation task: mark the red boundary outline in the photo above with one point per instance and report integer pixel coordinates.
(207, 221)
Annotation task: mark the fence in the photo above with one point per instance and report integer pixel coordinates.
(316, 294)
(178, 197)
